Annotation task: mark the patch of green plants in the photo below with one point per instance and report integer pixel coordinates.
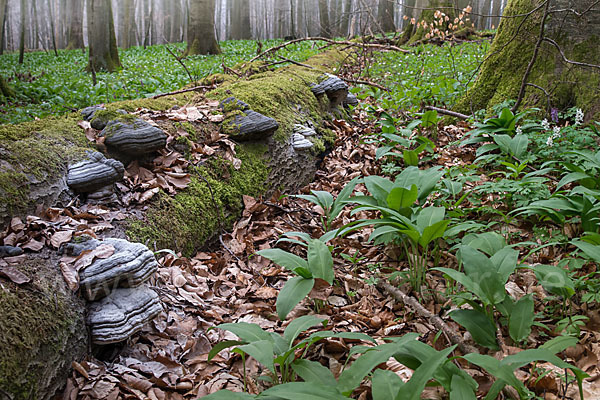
(46, 84)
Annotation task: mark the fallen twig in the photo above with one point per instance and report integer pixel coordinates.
(436, 321)
(331, 41)
(192, 89)
(448, 112)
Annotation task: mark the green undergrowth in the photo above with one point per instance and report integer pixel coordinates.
(46, 84)
(212, 201)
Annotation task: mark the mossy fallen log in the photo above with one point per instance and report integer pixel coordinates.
(42, 326)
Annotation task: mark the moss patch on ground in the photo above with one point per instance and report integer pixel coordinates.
(212, 201)
(37, 326)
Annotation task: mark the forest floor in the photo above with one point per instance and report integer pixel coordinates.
(229, 283)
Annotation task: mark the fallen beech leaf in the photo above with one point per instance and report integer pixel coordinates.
(70, 275)
(79, 368)
(61, 237)
(14, 275)
(16, 224)
(147, 195)
(266, 292)
(33, 245)
(177, 277)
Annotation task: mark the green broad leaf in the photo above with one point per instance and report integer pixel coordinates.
(343, 196)
(299, 325)
(228, 395)
(571, 177)
(303, 391)
(291, 294)
(414, 387)
(411, 158)
(379, 188)
(385, 384)
(246, 331)
(429, 216)
(303, 272)
(325, 199)
(518, 146)
(429, 118)
(352, 376)
(505, 261)
(453, 187)
(284, 258)
(400, 198)
(559, 343)
(555, 280)
(379, 233)
(486, 148)
(590, 250)
(261, 351)
(478, 325)
(320, 261)
(500, 371)
(482, 272)
(433, 232)
(521, 319)
(313, 372)
(461, 389)
(221, 346)
(462, 279)
(383, 151)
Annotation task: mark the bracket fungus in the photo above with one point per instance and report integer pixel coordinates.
(118, 316)
(332, 86)
(132, 139)
(97, 172)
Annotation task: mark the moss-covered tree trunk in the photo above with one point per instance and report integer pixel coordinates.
(201, 29)
(104, 55)
(5, 90)
(417, 29)
(560, 84)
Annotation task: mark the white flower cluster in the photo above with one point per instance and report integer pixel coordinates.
(546, 124)
(579, 117)
(550, 141)
(519, 131)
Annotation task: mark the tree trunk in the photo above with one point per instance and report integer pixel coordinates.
(567, 85)
(201, 30)
(5, 90)
(324, 19)
(104, 55)
(3, 9)
(76, 25)
(52, 28)
(345, 17)
(386, 15)
(413, 33)
(127, 24)
(175, 34)
(22, 32)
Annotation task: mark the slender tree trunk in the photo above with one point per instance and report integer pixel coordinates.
(3, 9)
(345, 17)
(147, 22)
(386, 15)
(22, 32)
(201, 30)
(324, 19)
(63, 24)
(104, 55)
(245, 28)
(127, 24)
(52, 28)
(76, 25)
(175, 34)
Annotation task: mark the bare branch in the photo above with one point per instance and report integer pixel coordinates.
(565, 59)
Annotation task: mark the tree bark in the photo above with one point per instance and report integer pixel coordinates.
(127, 24)
(201, 29)
(76, 25)
(345, 17)
(175, 34)
(104, 55)
(386, 15)
(567, 84)
(22, 32)
(3, 9)
(324, 19)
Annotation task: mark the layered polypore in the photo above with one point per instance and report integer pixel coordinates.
(94, 173)
(332, 86)
(130, 265)
(133, 138)
(123, 313)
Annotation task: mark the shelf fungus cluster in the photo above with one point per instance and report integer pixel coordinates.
(95, 176)
(129, 139)
(243, 123)
(333, 87)
(300, 137)
(120, 301)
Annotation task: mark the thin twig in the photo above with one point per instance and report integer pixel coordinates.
(192, 80)
(296, 62)
(435, 320)
(448, 112)
(184, 91)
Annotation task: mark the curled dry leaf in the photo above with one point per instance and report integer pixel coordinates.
(61, 237)
(33, 245)
(14, 275)
(70, 275)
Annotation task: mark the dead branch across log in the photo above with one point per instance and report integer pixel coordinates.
(448, 112)
(331, 41)
(192, 89)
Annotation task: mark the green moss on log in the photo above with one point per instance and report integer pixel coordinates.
(212, 200)
(38, 324)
